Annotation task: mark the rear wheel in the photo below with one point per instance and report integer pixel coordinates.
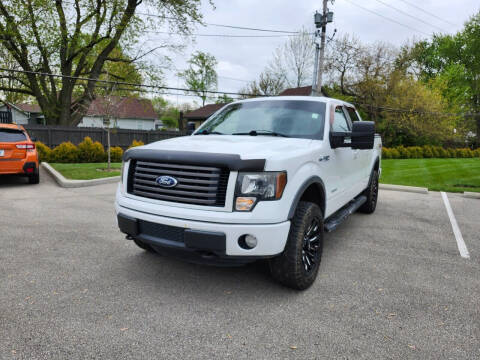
(144, 246)
(34, 179)
(372, 194)
(297, 267)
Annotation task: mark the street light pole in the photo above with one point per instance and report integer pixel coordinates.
(321, 21)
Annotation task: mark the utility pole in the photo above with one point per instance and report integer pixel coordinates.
(321, 21)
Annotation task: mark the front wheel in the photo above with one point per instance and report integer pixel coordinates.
(297, 267)
(372, 194)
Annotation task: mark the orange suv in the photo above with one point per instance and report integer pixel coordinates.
(17, 153)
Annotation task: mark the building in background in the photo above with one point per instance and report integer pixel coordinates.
(199, 115)
(299, 91)
(22, 114)
(124, 113)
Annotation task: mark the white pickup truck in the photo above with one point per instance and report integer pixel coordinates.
(261, 178)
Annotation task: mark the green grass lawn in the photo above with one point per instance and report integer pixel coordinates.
(452, 175)
(87, 171)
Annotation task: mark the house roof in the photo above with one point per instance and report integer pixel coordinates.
(204, 112)
(122, 107)
(298, 91)
(31, 108)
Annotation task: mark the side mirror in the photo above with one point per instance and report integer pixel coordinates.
(363, 135)
(340, 139)
(190, 128)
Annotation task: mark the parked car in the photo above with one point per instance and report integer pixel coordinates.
(261, 178)
(18, 154)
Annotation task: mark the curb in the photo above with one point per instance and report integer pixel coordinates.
(471, 195)
(67, 183)
(412, 189)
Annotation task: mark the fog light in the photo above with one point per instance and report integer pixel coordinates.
(247, 242)
(251, 241)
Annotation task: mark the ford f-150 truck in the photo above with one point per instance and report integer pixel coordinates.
(260, 179)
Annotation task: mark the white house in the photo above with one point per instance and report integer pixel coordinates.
(22, 114)
(123, 112)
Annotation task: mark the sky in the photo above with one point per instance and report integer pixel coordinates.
(243, 59)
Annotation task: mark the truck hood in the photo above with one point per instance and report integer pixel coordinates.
(248, 147)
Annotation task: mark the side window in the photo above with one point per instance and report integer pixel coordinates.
(340, 123)
(353, 114)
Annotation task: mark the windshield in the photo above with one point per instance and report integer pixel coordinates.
(292, 118)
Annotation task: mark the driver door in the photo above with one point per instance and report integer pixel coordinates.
(342, 164)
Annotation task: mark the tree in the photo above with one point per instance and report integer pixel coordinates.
(77, 39)
(455, 60)
(425, 119)
(342, 58)
(294, 60)
(268, 84)
(224, 99)
(201, 76)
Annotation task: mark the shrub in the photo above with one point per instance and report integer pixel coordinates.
(90, 152)
(427, 152)
(386, 153)
(443, 153)
(418, 151)
(411, 152)
(403, 152)
(43, 150)
(452, 153)
(116, 153)
(136, 143)
(395, 153)
(476, 153)
(66, 152)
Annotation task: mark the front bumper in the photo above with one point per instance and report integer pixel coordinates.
(204, 238)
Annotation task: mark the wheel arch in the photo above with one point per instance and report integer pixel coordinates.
(312, 190)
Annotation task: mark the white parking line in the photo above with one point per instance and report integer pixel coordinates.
(462, 248)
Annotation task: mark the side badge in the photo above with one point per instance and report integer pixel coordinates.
(324, 158)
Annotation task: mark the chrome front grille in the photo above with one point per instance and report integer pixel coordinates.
(200, 185)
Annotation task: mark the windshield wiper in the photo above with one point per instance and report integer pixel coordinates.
(206, 132)
(261, 132)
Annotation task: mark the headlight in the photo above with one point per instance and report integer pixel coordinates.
(254, 187)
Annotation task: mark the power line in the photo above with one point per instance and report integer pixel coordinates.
(409, 15)
(116, 83)
(227, 26)
(427, 12)
(387, 18)
(220, 35)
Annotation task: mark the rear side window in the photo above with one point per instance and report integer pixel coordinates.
(10, 135)
(340, 123)
(353, 114)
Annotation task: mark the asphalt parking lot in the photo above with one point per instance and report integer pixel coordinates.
(392, 285)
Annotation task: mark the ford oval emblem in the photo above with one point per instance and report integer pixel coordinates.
(166, 181)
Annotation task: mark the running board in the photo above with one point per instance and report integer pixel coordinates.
(336, 219)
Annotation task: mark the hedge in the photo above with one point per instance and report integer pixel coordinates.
(427, 151)
(86, 152)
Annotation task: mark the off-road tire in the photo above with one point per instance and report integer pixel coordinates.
(34, 179)
(372, 194)
(289, 267)
(144, 246)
